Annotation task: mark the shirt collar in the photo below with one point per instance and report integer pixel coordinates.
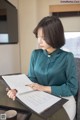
(53, 55)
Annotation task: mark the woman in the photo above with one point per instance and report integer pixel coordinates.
(51, 69)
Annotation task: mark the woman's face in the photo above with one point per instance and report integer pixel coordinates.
(41, 40)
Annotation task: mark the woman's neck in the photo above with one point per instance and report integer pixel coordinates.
(50, 50)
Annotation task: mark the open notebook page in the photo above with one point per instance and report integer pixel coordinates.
(18, 82)
(38, 101)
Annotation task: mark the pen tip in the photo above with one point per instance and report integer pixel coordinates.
(7, 89)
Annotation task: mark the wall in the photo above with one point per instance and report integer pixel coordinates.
(27, 21)
(69, 23)
(30, 12)
(10, 56)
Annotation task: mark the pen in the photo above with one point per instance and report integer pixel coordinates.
(27, 84)
(7, 89)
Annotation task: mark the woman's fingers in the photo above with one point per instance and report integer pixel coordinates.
(35, 86)
(12, 94)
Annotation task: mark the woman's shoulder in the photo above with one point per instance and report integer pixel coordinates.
(68, 54)
(37, 51)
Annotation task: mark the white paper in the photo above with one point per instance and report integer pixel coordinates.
(18, 82)
(38, 101)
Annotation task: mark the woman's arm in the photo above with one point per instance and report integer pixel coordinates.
(36, 86)
(31, 73)
(71, 86)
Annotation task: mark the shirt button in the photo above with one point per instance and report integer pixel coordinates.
(49, 55)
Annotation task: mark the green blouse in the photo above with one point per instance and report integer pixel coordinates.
(56, 70)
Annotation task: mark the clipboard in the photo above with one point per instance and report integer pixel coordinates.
(32, 99)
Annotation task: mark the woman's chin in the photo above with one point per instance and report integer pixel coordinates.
(42, 48)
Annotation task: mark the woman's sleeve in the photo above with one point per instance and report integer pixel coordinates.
(71, 86)
(31, 73)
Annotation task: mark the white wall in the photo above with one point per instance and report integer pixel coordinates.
(10, 56)
(9, 59)
(30, 12)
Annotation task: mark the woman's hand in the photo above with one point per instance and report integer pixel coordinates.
(12, 93)
(36, 86)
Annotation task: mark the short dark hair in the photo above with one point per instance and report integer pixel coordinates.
(53, 31)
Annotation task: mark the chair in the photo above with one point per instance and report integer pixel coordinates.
(77, 60)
